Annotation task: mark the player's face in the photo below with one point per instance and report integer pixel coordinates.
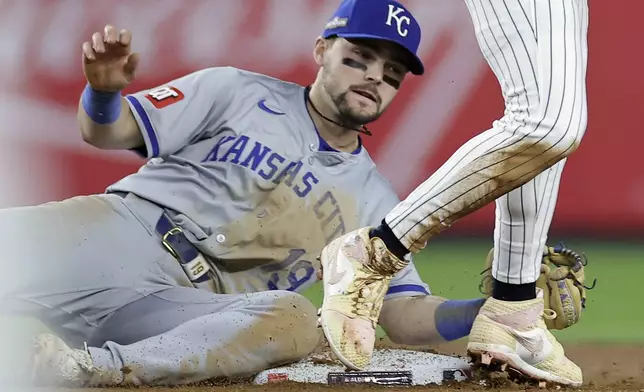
(362, 77)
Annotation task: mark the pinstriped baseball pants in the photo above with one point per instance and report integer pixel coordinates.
(538, 51)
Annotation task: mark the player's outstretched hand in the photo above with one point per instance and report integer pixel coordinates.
(108, 63)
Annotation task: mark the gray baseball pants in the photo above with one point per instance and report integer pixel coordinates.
(92, 269)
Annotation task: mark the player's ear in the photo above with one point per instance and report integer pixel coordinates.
(320, 48)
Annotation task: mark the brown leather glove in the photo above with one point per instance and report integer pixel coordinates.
(562, 281)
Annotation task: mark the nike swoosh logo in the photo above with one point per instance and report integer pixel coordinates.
(335, 275)
(262, 105)
(532, 348)
(532, 344)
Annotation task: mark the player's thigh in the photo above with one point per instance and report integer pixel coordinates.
(87, 240)
(74, 262)
(165, 310)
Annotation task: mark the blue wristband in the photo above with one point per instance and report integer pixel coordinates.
(103, 107)
(453, 319)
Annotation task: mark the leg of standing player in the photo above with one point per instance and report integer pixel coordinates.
(538, 51)
(94, 272)
(539, 56)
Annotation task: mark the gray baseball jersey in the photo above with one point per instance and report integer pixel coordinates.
(237, 156)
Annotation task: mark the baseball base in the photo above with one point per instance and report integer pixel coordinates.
(388, 367)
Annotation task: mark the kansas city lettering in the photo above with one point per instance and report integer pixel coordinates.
(327, 210)
(261, 159)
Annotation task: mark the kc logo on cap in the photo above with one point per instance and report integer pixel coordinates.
(398, 14)
(387, 20)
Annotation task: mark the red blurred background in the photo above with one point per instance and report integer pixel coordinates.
(602, 192)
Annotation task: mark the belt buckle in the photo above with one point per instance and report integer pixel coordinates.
(166, 244)
(196, 269)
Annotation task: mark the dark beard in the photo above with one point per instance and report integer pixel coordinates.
(348, 116)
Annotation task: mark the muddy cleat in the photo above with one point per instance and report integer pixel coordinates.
(54, 364)
(356, 272)
(513, 336)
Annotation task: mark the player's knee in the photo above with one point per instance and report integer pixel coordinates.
(294, 325)
(566, 137)
(549, 139)
(558, 136)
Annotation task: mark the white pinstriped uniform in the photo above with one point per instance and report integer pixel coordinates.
(538, 51)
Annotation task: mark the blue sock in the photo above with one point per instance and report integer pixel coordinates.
(454, 318)
(103, 107)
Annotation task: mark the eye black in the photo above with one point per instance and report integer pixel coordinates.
(391, 81)
(354, 64)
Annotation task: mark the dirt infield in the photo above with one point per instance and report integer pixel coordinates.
(606, 368)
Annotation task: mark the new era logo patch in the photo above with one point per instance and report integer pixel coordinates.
(164, 96)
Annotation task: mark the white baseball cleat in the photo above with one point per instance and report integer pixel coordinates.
(54, 364)
(514, 336)
(356, 272)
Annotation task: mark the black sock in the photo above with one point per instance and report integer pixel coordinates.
(514, 292)
(389, 238)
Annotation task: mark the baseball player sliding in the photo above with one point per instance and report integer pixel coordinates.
(189, 269)
(538, 51)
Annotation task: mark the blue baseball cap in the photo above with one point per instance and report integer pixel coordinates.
(378, 19)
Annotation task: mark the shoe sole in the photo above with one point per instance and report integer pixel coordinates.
(495, 359)
(325, 329)
(337, 352)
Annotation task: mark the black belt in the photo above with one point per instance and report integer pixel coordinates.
(176, 243)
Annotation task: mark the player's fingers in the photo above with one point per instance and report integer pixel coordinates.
(129, 69)
(125, 37)
(88, 51)
(111, 34)
(97, 43)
